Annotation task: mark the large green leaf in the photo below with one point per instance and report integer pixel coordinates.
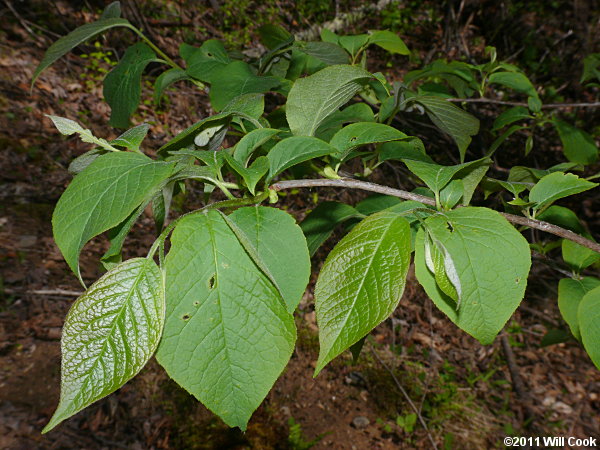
(123, 85)
(492, 278)
(203, 62)
(101, 197)
(280, 246)
(361, 282)
(235, 79)
(312, 99)
(510, 116)
(363, 133)
(227, 335)
(557, 185)
(514, 80)
(578, 146)
(388, 41)
(331, 54)
(294, 150)
(451, 119)
(570, 293)
(321, 221)
(78, 36)
(589, 324)
(110, 333)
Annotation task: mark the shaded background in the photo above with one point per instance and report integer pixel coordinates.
(464, 391)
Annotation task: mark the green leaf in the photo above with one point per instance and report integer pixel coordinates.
(132, 138)
(123, 84)
(281, 247)
(250, 142)
(451, 119)
(101, 197)
(577, 256)
(227, 335)
(353, 44)
(578, 146)
(493, 277)
(451, 194)
(167, 78)
(436, 176)
(330, 54)
(411, 148)
(203, 62)
(82, 161)
(388, 41)
(294, 150)
(441, 265)
(557, 185)
(235, 79)
(112, 11)
(361, 282)
(68, 127)
(251, 105)
(591, 68)
(187, 136)
(273, 35)
(514, 80)
(78, 36)
(570, 293)
(117, 235)
(563, 217)
(110, 333)
(252, 174)
(362, 133)
(328, 90)
(319, 224)
(510, 116)
(357, 112)
(589, 324)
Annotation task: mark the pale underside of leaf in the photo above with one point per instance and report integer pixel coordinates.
(110, 333)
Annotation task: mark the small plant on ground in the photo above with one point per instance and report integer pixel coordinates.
(217, 309)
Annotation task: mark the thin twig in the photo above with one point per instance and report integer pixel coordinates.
(56, 292)
(544, 106)
(515, 376)
(372, 187)
(406, 396)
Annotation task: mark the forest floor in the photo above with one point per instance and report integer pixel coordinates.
(463, 390)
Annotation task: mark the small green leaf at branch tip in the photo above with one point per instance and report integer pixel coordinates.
(110, 333)
(68, 127)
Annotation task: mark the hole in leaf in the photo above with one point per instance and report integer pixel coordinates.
(211, 281)
(517, 280)
(185, 317)
(450, 227)
(209, 54)
(354, 138)
(196, 303)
